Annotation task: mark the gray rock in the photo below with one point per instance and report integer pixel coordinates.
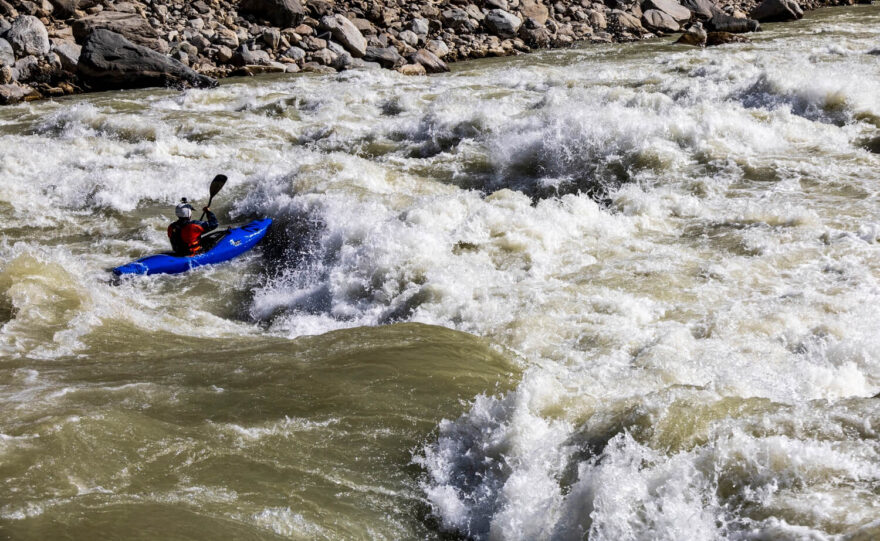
(109, 61)
(4, 26)
(6, 75)
(223, 54)
(7, 56)
(702, 9)
(28, 36)
(68, 53)
(281, 13)
(695, 35)
(295, 53)
(457, 19)
(271, 37)
(324, 57)
(226, 37)
(497, 4)
(626, 21)
(502, 23)
(387, 57)
(429, 60)
(200, 42)
(669, 7)
(346, 33)
(659, 21)
(196, 24)
(420, 27)
(438, 47)
(364, 26)
(64, 9)
(343, 61)
(412, 69)
(273, 67)
(735, 25)
(131, 26)
(336, 48)
(534, 9)
(10, 94)
(409, 37)
(26, 68)
(474, 12)
(535, 37)
(188, 49)
(243, 56)
(777, 10)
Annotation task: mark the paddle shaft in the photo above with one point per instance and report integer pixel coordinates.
(202, 217)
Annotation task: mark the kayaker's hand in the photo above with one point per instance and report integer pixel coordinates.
(206, 209)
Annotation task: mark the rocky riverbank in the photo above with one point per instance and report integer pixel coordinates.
(55, 47)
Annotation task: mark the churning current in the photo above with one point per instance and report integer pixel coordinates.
(621, 292)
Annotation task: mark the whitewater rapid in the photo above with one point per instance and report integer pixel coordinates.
(676, 247)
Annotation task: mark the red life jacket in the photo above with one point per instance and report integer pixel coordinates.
(185, 237)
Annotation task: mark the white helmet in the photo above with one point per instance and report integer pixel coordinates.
(183, 210)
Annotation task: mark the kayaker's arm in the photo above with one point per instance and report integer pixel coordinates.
(212, 222)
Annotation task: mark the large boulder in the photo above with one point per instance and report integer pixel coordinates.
(534, 9)
(68, 53)
(132, 26)
(429, 60)
(281, 13)
(458, 20)
(725, 23)
(109, 61)
(702, 9)
(659, 21)
(7, 56)
(502, 23)
(777, 10)
(626, 22)
(387, 57)
(346, 33)
(28, 36)
(438, 47)
(226, 37)
(670, 7)
(243, 56)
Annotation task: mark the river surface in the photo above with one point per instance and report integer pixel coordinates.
(608, 293)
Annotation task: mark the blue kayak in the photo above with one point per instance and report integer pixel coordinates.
(226, 245)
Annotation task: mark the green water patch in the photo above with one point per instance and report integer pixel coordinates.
(263, 437)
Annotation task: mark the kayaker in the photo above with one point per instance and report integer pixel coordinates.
(185, 234)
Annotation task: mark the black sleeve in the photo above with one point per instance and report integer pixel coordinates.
(212, 222)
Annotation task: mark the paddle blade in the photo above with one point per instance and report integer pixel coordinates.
(217, 184)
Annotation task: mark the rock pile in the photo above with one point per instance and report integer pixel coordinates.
(56, 47)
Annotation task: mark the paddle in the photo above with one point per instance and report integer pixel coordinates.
(216, 185)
